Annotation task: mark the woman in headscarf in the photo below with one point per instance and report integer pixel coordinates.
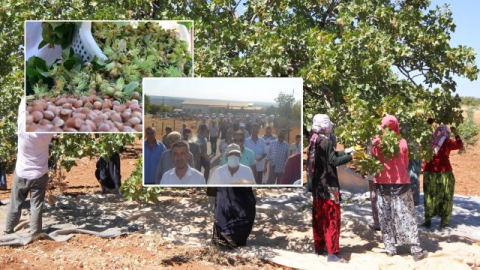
(323, 161)
(394, 196)
(438, 179)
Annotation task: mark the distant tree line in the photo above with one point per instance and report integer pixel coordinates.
(470, 101)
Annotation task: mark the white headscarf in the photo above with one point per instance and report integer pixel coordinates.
(322, 124)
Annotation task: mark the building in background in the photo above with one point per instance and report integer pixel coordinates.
(203, 106)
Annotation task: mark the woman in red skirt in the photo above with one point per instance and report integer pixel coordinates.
(325, 188)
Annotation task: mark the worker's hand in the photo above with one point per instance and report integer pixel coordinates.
(350, 150)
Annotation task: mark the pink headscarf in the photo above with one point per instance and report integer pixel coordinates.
(391, 122)
(441, 134)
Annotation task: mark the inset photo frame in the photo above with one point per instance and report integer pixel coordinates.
(86, 76)
(223, 132)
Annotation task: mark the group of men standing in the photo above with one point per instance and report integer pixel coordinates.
(245, 156)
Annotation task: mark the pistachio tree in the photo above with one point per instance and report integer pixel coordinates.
(359, 60)
(382, 58)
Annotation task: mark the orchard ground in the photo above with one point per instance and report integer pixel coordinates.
(282, 230)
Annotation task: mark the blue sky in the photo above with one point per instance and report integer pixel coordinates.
(467, 32)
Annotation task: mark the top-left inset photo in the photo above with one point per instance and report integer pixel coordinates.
(86, 76)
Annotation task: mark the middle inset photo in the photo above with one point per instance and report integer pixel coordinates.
(222, 132)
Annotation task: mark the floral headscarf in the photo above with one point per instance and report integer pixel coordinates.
(321, 127)
(441, 134)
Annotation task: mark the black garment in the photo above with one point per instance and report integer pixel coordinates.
(392, 189)
(259, 177)
(206, 167)
(234, 215)
(3, 177)
(108, 173)
(223, 131)
(213, 142)
(325, 181)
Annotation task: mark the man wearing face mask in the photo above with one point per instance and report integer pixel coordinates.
(233, 172)
(247, 157)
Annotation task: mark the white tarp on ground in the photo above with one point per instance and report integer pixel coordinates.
(67, 217)
(21, 239)
(282, 232)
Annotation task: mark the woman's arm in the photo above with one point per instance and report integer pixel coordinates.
(456, 144)
(336, 158)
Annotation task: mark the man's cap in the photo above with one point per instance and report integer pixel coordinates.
(233, 148)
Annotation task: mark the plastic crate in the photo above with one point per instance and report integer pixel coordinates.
(83, 42)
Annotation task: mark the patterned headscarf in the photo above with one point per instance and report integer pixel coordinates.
(441, 134)
(321, 127)
(322, 124)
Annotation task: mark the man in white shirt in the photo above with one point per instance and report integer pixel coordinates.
(182, 174)
(233, 172)
(31, 175)
(257, 145)
(166, 160)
